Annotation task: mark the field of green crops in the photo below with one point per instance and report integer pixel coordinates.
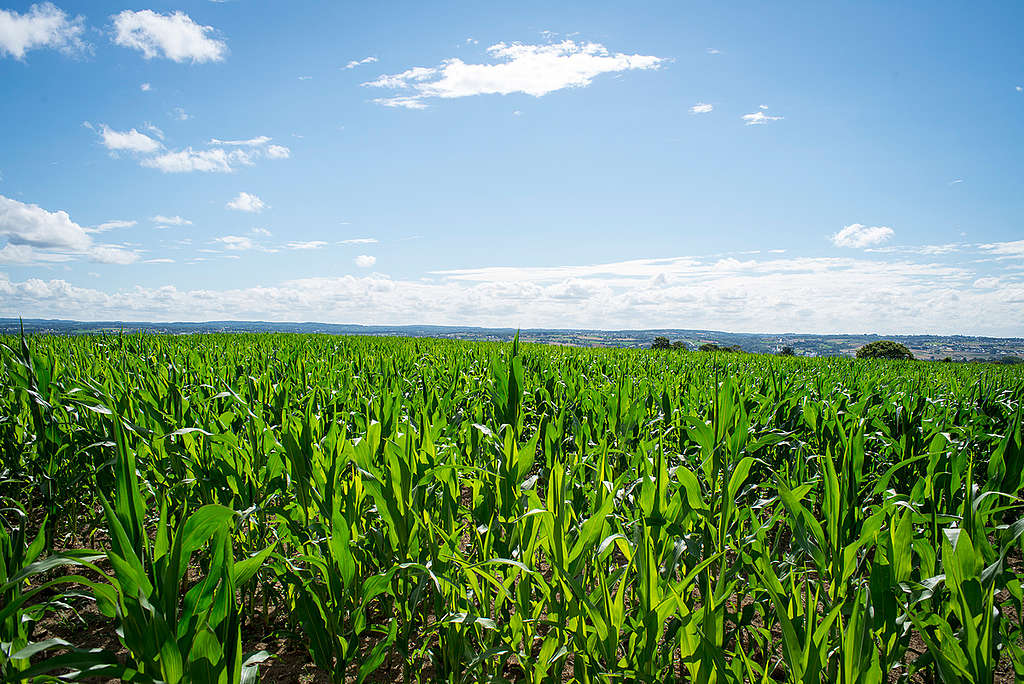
(402, 510)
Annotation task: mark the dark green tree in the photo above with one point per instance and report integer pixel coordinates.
(885, 349)
(661, 343)
(787, 351)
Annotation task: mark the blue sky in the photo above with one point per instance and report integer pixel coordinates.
(807, 167)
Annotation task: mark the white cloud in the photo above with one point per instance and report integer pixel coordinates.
(251, 142)
(701, 108)
(42, 26)
(236, 242)
(31, 225)
(165, 221)
(127, 141)
(1007, 249)
(278, 152)
(174, 36)
(260, 231)
(312, 244)
(531, 69)
(359, 241)
(159, 261)
(759, 118)
(713, 51)
(859, 235)
(364, 261)
(247, 202)
(35, 235)
(183, 161)
(26, 255)
(112, 254)
(358, 62)
(223, 156)
(145, 87)
(111, 225)
(180, 114)
(406, 102)
(305, 78)
(762, 293)
(1020, 89)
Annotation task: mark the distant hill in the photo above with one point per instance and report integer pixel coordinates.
(956, 347)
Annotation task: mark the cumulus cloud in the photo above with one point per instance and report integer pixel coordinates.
(35, 235)
(358, 62)
(145, 87)
(701, 108)
(759, 118)
(31, 225)
(858, 235)
(364, 261)
(760, 293)
(278, 152)
(519, 68)
(247, 202)
(43, 26)
(127, 141)
(174, 36)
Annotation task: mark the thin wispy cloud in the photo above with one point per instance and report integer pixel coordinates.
(174, 36)
(221, 156)
(1013, 248)
(308, 245)
(759, 118)
(111, 225)
(359, 62)
(166, 221)
(359, 241)
(535, 70)
(701, 108)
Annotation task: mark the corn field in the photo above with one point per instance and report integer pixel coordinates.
(427, 510)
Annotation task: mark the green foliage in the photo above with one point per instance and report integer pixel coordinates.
(885, 349)
(485, 512)
(661, 343)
